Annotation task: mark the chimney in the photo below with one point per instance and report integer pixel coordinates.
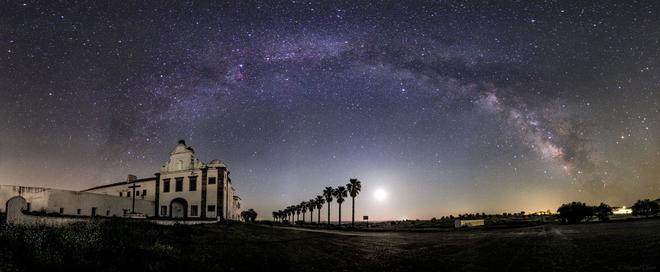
(131, 178)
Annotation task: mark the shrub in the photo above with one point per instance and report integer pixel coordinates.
(645, 207)
(575, 212)
(603, 212)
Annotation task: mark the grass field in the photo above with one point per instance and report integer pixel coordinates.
(118, 245)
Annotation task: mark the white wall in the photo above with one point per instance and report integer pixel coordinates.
(51, 200)
(149, 185)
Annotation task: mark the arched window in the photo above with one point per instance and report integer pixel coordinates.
(179, 165)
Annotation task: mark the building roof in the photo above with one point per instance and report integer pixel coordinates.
(120, 183)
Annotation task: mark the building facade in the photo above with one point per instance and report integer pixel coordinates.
(184, 187)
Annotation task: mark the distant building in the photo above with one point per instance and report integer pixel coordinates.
(185, 187)
(547, 212)
(621, 210)
(458, 223)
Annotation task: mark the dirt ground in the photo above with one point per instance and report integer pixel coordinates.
(616, 246)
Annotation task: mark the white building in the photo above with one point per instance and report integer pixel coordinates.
(459, 223)
(185, 187)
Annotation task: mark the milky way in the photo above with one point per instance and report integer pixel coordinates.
(453, 107)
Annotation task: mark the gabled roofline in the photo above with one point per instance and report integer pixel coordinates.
(120, 183)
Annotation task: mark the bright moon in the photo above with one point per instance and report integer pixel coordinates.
(380, 195)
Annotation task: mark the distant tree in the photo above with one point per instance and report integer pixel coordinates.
(319, 204)
(603, 212)
(275, 216)
(575, 212)
(298, 210)
(311, 205)
(340, 194)
(328, 193)
(303, 207)
(354, 187)
(645, 207)
(249, 215)
(289, 214)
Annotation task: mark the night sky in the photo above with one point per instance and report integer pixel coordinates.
(449, 107)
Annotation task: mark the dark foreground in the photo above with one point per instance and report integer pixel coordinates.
(113, 246)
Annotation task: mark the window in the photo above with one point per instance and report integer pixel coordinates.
(78, 212)
(193, 183)
(193, 210)
(128, 194)
(29, 206)
(121, 193)
(107, 213)
(179, 165)
(93, 211)
(137, 193)
(211, 208)
(144, 193)
(163, 210)
(166, 185)
(212, 180)
(179, 185)
(61, 210)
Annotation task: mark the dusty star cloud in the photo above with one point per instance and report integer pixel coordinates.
(454, 107)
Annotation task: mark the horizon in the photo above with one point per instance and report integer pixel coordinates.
(438, 108)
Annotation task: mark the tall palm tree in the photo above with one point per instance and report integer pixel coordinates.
(311, 205)
(328, 193)
(303, 207)
(340, 194)
(354, 186)
(292, 213)
(319, 204)
(298, 210)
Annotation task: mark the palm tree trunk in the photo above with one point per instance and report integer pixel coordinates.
(353, 208)
(328, 213)
(303, 217)
(340, 214)
(318, 220)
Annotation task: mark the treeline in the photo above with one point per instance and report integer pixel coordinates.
(292, 213)
(482, 215)
(575, 212)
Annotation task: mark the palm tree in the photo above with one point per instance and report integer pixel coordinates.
(274, 216)
(354, 186)
(298, 209)
(340, 194)
(303, 207)
(285, 214)
(319, 204)
(328, 193)
(292, 212)
(310, 206)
